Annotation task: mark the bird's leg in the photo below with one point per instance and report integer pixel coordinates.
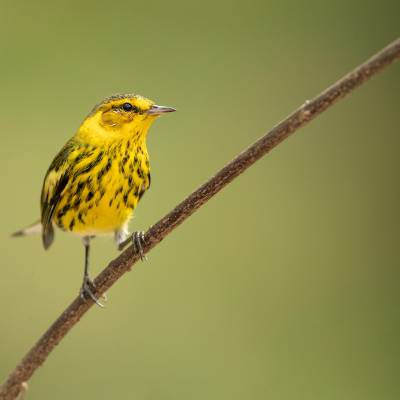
(87, 282)
(137, 239)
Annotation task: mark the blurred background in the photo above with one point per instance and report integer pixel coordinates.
(285, 285)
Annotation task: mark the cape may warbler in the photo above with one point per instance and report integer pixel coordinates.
(96, 180)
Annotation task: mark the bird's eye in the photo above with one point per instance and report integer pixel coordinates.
(127, 106)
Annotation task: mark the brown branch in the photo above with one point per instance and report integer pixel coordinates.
(124, 262)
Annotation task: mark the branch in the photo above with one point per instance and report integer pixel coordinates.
(124, 262)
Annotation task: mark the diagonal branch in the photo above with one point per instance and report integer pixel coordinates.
(124, 262)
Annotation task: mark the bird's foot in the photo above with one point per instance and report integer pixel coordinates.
(86, 291)
(137, 240)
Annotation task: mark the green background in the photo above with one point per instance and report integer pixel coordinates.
(285, 285)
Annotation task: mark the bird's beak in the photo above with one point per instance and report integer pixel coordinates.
(158, 110)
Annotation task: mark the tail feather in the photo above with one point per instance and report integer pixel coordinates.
(47, 236)
(33, 229)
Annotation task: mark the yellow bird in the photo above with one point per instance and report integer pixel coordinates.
(95, 182)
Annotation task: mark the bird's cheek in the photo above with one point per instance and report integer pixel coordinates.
(110, 118)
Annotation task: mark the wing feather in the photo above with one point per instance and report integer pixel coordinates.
(55, 182)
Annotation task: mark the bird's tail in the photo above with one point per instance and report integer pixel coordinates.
(33, 229)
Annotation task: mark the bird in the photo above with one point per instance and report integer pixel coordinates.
(97, 179)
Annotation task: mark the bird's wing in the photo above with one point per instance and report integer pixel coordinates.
(55, 182)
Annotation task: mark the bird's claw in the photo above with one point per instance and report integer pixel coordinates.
(138, 241)
(86, 291)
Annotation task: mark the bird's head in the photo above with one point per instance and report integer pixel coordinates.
(121, 116)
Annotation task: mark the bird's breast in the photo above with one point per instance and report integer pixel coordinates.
(104, 190)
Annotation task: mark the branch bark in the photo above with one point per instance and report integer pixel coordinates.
(17, 379)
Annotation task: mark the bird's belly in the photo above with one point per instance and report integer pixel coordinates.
(103, 217)
(99, 211)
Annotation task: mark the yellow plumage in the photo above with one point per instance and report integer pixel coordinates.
(95, 182)
(103, 187)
